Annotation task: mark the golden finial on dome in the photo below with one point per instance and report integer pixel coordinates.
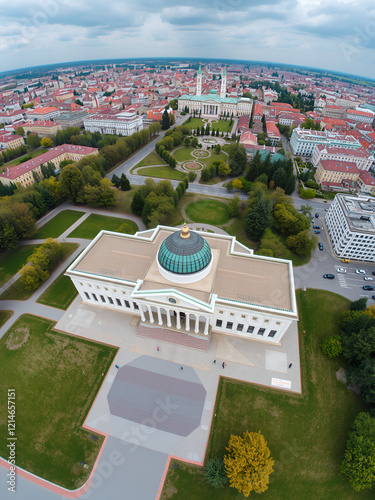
(185, 232)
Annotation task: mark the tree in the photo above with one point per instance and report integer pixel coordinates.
(217, 149)
(248, 463)
(358, 464)
(306, 210)
(45, 142)
(165, 120)
(137, 204)
(187, 141)
(359, 305)
(214, 473)
(72, 183)
(258, 219)
(237, 159)
(124, 183)
(234, 207)
(194, 142)
(20, 131)
(115, 180)
(223, 169)
(33, 141)
(332, 346)
(237, 184)
(302, 243)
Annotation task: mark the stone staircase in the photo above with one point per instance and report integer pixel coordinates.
(174, 336)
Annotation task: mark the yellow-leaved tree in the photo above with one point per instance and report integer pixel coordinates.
(249, 463)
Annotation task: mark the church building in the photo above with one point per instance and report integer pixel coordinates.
(182, 286)
(213, 105)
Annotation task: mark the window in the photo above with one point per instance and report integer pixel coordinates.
(250, 329)
(95, 297)
(102, 298)
(277, 322)
(231, 314)
(110, 300)
(127, 304)
(261, 331)
(266, 320)
(135, 305)
(255, 319)
(239, 327)
(272, 333)
(219, 322)
(118, 302)
(87, 296)
(243, 315)
(229, 325)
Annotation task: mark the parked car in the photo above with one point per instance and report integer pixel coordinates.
(373, 273)
(368, 278)
(360, 271)
(367, 287)
(321, 246)
(341, 270)
(316, 227)
(346, 261)
(329, 276)
(373, 297)
(316, 215)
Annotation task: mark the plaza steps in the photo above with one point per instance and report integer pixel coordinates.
(174, 337)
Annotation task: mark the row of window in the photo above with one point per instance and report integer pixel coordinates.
(240, 327)
(109, 300)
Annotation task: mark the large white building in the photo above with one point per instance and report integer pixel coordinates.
(359, 156)
(212, 105)
(303, 141)
(182, 286)
(115, 123)
(351, 225)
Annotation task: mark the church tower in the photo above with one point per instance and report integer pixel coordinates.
(199, 81)
(223, 88)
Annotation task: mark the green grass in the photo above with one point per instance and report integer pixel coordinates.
(12, 262)
(60, 293)
(194, 123)
(149, 160)
(91, 226)
(222, 125)
(183, 154)
(306, 433)
(60, 223)
(18, 291)
(208, 211)
(236, 229)
(214, 157)
(4, 316)
(213, 180)
(162, 173)
(56, 378)
(123, 201)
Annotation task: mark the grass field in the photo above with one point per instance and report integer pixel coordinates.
(306, 433)
(151, 159)
(91, 226)
(194, 123)
(17, 290)
(4, 316)
(222, 125)
(214, 157)
(123, 201)
(11, 263)
(60, 293)
(162, 173)
(183, 154)
(208, 211)
(60, 223)
(56, 378)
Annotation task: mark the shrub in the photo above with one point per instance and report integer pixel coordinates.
(214, 473)
(332, 346)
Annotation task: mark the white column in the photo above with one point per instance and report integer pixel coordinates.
(178, 322)
(206, 325)
(150, 314)
(142, 313)
(196, 324)
(169, 318)
(160, 319)
(187, 326)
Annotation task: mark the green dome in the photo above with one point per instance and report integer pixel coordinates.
(212, 91)
(184, 252)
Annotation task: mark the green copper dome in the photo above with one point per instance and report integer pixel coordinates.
(184, 252)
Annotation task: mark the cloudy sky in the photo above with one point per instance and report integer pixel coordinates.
(331, 34)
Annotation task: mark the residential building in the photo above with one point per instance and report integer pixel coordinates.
(360, 116)
(366, 183)
(11, 116)
(332, 174)
(248, 139)
(23, 173)
(43, 113)
(303, 141)
(351, 225)
(183, 286)
(273, 133)
(116, 123)
(42, 128)
(360, 156)
(9, 140)
(333, 111)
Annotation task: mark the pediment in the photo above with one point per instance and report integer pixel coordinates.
(171, 297)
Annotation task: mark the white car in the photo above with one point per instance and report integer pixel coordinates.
(368, 278)
(360, 271)
(341, 270)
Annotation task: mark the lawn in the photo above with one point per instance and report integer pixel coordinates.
(18, 291)
(236, 229)
(56, 378)
(214, 157)
(183, 154)
(60, 223)
(4, 316)
(194, 123)
(91, 226)
(149, 160)
(208, 211)
(12, 262)
(162, 173)
(60, 293)
(123, 201)
(222, 125)
(306, 433)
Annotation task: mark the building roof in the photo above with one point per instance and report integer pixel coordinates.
(42, 110)
(340, 166)
(210, 97)
(367, 178)
(360, 113)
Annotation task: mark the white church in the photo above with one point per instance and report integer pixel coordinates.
(212, 105)
(184, 285)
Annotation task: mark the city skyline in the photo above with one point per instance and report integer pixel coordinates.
(336, 35)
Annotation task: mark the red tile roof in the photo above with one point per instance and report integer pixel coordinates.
(340, 166)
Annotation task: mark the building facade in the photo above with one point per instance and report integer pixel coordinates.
(359, 156)
(303, 141)
(183, 287)
(337, 174)
(351, 225)
(122, 123)
(43, 129)
(9, 140)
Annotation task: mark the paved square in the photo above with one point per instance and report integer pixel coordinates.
(276, 361)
